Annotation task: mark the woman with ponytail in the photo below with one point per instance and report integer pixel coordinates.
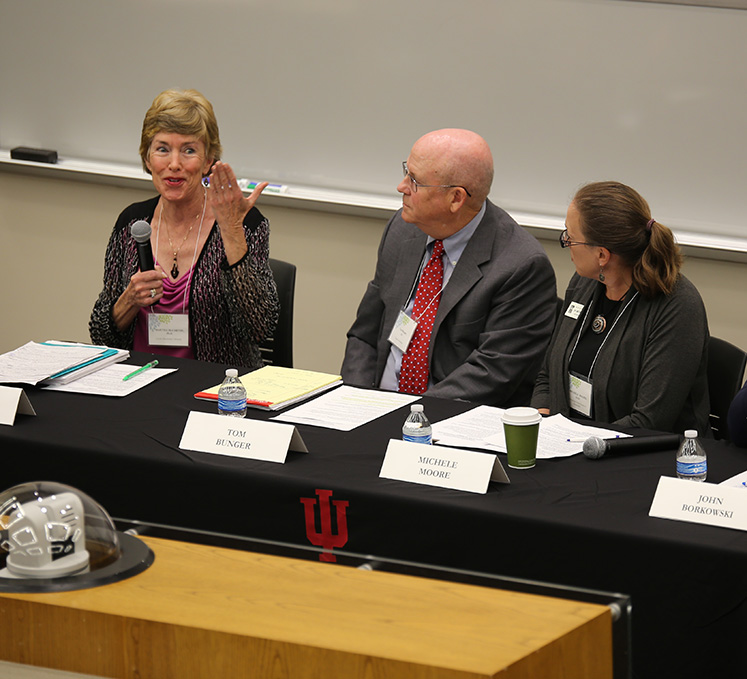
(630, 345)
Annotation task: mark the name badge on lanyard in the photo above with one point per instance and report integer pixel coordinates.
(579, 388)
(168, 330)
(402, 332)
(405, 326)
(579, 394)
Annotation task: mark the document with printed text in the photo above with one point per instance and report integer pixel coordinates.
(346, 408)
(482, 428)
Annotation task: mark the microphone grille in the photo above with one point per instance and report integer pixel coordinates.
(594, 447)
(140, 231)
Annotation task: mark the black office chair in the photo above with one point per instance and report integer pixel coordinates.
(726, 365)
(278, 349)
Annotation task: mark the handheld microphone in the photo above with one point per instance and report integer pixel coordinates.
(141, 231)
(595, 447)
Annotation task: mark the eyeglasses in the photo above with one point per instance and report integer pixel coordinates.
(566, 242)
(417, 185)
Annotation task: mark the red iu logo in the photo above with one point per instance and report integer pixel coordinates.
(325, 538)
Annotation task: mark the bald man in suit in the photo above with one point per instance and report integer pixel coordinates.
(497, 301)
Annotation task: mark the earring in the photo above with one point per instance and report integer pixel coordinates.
(601, 274)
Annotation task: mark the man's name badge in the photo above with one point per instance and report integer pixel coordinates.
(168, 330)
(402, 332)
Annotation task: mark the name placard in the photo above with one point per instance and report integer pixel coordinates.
(238, 437)
(13, 400)
(441, 466)
(715, 505)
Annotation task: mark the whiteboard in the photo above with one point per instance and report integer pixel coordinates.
(332, 93)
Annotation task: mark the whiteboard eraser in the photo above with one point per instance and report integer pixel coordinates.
(35, 155)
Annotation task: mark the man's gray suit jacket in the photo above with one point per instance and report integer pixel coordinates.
(494, 319)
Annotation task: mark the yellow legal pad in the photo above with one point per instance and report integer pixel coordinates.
(273, 387)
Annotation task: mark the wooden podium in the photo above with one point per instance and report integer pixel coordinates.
(203, 612)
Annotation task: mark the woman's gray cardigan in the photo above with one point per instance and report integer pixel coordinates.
(651, 372)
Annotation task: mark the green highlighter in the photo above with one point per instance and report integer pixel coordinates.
(147, 366)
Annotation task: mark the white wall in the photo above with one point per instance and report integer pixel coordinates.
(53, 233)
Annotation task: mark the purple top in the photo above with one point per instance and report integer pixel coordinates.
(175, 300)
(231, 307)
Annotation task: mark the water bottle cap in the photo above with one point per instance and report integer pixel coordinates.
(416, 408)
(232, 372)
(691, 434)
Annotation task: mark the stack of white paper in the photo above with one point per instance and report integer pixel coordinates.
(482, 428)
(54, 362)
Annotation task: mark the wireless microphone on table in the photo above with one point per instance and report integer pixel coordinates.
(595, 447)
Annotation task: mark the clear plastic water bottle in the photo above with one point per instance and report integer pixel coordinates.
(417, 429)
(691, 458)
(232, 395)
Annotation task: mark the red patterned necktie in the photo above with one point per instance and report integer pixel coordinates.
(413, 376)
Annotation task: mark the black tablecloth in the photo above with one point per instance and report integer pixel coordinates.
(570, 521)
